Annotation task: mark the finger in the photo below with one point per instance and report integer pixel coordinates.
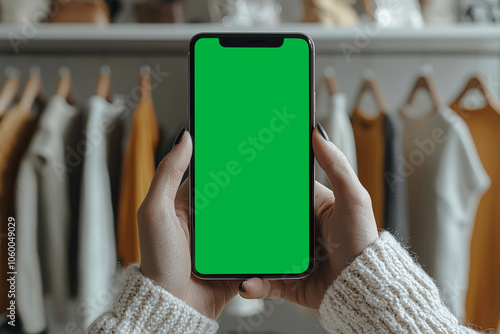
(169, 173)
(257, 288)
(340, 174)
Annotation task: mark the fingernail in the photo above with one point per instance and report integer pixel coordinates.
(241, 287)
(322, 132)
(179, 136)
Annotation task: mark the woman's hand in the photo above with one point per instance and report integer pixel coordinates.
(164, 237)
(345, 226)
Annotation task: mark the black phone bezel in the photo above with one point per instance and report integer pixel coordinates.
(248, 40)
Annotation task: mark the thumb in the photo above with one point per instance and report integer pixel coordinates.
(257, 288)
(342, 178)
(168, 175)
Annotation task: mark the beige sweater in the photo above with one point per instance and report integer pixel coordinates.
(381, 291)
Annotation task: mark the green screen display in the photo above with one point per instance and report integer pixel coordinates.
(251, 117)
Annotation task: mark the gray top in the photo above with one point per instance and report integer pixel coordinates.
(396, 192)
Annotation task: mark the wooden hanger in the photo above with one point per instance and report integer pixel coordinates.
(370, 84)
(331, 81)
(145, 82)
(479, 83)
(10, 89)
(104, 83)
(33, 90)
(426, 82)
(64, 88)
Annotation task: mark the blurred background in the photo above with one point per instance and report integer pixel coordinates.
(93, 93)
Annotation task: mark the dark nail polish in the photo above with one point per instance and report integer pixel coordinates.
(241, 287)
(322, 132)
(179, 136)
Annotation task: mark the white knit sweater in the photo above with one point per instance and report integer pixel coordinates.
(382, 291)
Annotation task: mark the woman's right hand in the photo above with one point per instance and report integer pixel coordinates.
(345, 226)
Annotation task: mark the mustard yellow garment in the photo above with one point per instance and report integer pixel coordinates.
(483, 294)
(16, 130)
(138, 168)
(370, 152)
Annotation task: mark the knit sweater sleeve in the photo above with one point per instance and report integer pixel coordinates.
(384, 291)
(140, 306)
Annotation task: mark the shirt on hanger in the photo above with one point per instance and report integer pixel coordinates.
(339, 129)
(16, 130)
(138, 169)
(96, 237)
(483, 296)
(396, 190)
(115, 156)
(43, 207)
(445, 182)
(370, 151)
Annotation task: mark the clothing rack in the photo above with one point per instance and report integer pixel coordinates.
(395, 56)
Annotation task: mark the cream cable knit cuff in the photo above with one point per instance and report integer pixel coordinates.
(384, 291)
(143, 307)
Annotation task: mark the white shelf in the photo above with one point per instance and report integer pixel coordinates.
(173, 38)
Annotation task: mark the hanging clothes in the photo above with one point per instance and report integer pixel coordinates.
(370, 152)
(335, 118)
(445, 182)
(395, 183)
(116, 149)
(483, 296)
(43, 211)
(138, 169)
(379, 149)
(163, 146)
(339, 128)
(16, 130)
(97, 246)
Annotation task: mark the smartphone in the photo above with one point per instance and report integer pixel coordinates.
(251, 118)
